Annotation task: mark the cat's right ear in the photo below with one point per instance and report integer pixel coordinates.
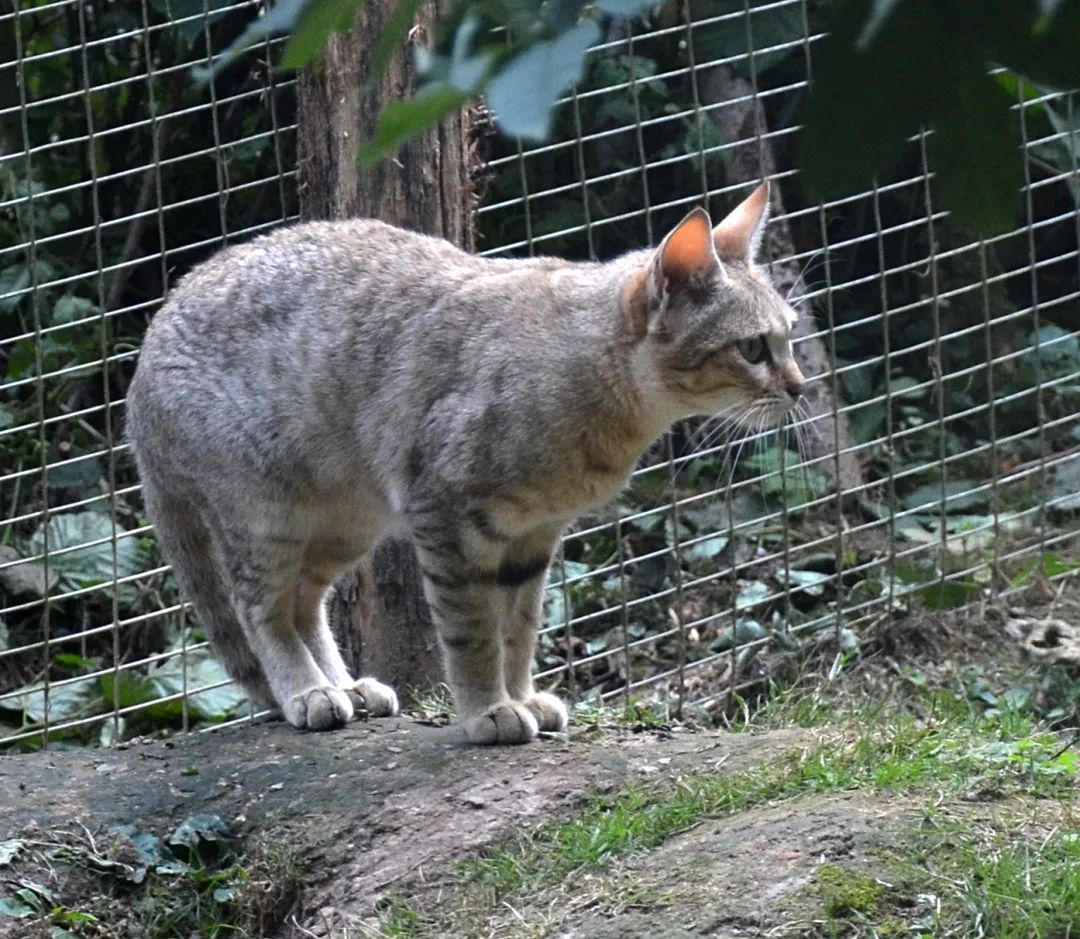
(685, 257)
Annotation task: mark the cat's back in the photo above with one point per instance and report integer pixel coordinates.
(306, 271)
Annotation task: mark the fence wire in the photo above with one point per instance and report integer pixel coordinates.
(936, 464)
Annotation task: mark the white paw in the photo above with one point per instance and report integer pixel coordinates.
(319, 708)
(549, 711)
(372, 696)
(509, 722)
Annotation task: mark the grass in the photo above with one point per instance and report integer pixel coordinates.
(1012, 890)
(1005, 752)
(247, 897)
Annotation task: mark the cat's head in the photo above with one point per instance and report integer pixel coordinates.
(713, 329)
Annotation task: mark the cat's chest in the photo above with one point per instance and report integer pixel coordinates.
(559, 498)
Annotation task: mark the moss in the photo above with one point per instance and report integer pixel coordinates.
(844, 891)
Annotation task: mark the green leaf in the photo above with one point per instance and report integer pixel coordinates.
(1015, 34)
(174, 677)
(744, 631)
(949, 595)
(974, 152)
(196, 829)
(93, 564)
(76, 699)
(12, 280)
(865, 102)
(907, 386)
(461, 69)
(402, 119)
(810, 582)
(81, 474)
(317, 22)
(127, 689)
(957, 496)
(9, 850)
(523, 92)
(627, 8)
(868, 422)
(915, 573)
(750, 594)
(15, 908)
(71, 660)
(280, 19)
(709, 548)
(68, 309)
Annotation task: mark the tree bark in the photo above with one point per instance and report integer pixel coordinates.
(378, 612)
(741, 118)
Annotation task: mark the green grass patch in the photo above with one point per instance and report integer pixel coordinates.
(980, 754)
(1014, 884)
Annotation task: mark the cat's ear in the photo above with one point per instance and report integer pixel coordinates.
(687, 255)
(738, 236)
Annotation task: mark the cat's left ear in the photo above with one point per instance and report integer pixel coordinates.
(687, 256)
(738, 236)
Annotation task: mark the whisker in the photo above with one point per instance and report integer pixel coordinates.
(804, 271)
(726, 421)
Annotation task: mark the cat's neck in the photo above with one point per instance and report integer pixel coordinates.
(628, 406)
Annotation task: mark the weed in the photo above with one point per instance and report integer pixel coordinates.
(399, 919)
(124, 891)
(248, 897)
(1009, 885)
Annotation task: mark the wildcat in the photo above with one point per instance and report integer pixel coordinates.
(301, 395)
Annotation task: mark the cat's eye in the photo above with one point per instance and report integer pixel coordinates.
(754, 350)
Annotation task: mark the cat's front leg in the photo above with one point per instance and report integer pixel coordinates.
(466, 603)
(520, 625)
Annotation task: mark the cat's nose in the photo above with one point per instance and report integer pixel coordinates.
(795, 386)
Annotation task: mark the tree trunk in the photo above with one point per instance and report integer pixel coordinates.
(378, 612)
(741, 118)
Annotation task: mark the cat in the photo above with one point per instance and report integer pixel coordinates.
(301, 395)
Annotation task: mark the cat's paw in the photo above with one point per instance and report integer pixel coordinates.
(372, 696)
(508, 722)
(549, 711)
(321, 708)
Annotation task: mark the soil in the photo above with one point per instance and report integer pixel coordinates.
(388, 806)
(365, 808)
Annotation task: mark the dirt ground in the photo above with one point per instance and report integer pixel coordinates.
(365, 808)
(380, 808)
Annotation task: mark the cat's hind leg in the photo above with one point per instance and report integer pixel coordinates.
(186, 542)
(366, 694)
(264, 573)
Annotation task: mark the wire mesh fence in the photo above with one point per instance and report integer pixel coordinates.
(936, 464)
